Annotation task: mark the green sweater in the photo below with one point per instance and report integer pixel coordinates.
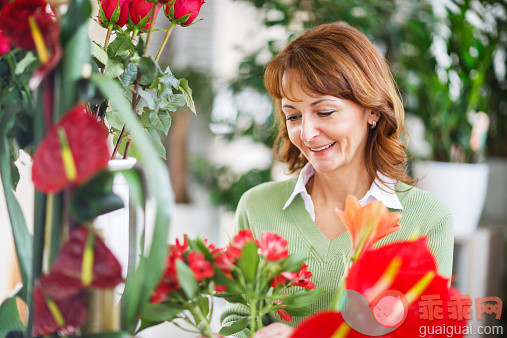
(260, 209)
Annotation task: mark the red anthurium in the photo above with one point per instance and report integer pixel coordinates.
(64, 316)
(14, 22)
(109, 7)
(5, 45)
(4, 3)
(367, 225)
(273, 246)
(84, 261)
(73, 151)
(200, 266)
(139, 9)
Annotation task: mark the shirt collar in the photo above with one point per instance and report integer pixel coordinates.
(383, 192)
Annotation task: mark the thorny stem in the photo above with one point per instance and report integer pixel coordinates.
(164, 42)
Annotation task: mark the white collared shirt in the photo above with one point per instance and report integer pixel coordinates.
(387, 196)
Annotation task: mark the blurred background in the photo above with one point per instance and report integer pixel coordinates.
(449, 61)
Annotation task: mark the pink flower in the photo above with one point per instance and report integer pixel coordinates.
(200, 266)
(273, 247)
(238, 242)
(109, 6)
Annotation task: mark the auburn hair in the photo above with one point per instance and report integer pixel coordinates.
(337, 59)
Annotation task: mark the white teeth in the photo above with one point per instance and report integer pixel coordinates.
(322, 148)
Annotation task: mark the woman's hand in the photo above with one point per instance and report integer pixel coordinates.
(275, 330)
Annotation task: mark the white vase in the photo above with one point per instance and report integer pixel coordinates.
(462, 186)
(114, 226)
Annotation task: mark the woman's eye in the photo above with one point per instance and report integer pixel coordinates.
(292, 118)
(326, 113)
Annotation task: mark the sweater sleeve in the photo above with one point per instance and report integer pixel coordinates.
(441, 244)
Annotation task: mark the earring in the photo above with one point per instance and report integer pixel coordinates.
(373, 124)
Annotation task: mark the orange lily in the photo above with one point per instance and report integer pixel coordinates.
(367, 225)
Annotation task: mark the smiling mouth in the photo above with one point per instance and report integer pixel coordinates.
(322, 148)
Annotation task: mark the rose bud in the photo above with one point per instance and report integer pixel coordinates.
(114, 12)
(139, 13)
(184, 11)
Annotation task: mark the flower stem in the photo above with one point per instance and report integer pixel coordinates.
(152, 24)
(164, 42)
(134, 34)
(108, 36)
(206, 330)
(47, 233)
(253, 315)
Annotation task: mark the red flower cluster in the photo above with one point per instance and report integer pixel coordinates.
(84, 261)
(197, 262)
(73, 151)
(282, 313)
(181, 8)
(273, 247)
(300, 278)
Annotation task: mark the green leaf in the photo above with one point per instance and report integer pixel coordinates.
(302, 298)
(9, 317)
(204, 305)
(149, 70)
(121, 47)
(155, 137)
(114, 120)
(14, 175)
(294, 261)
(248, 261)
(160, 312)
(161, 120)
(187, 279)
(99, 53)
(94, 198)
(22, 238)
(143, 280)
(298, 311)
(173, 102)
(129, 75)
(232, 298)
(136, 186)
(221, 279)
(76, 44)
(150, 98)
(188, 91)
(235, 327)
(24, 63)
(116, 14)
(114, 68)
(169, 79)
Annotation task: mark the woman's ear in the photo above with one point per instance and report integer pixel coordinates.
(371, 116)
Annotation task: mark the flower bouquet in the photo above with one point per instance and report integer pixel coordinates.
(257, 274)
(381, 290)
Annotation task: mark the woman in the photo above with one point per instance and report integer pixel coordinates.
(341, 119)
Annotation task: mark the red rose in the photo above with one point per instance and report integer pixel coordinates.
(200, 266)
(139, 9)
(180, 8)
(273, 247)
(5, 45)
(109, 7)
(89, 152)
(14, 22)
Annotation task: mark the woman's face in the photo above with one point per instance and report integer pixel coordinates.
(330, 132)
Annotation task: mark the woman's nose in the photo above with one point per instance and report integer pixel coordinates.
(309, 129)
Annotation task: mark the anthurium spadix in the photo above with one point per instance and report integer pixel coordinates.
(72, 151)
(84, 261)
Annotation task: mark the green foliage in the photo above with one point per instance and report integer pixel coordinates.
(9, 317)
(235, 327)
